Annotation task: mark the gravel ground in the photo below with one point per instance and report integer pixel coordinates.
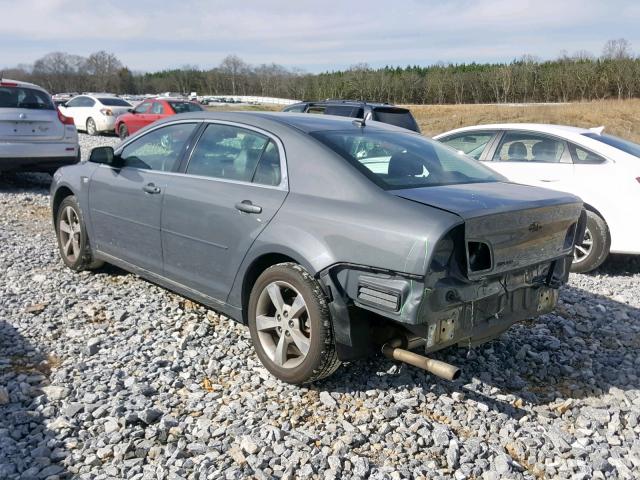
(104, 375)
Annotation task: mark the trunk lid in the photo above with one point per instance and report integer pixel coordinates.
(507, 226)
(23, 124)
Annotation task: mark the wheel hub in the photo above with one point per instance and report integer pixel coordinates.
(70, 231)
(584, 248)
(282, 322)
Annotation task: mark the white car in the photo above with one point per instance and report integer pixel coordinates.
(34, 134)
(602, 169)
(95, 113)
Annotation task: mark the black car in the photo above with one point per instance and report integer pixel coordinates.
(381, 112)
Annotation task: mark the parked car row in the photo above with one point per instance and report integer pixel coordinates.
(586, 162)
(97, 114)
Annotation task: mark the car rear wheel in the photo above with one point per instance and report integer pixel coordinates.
(123, 131)
(73, 242)
(290, 325)
(593, 249)
(91, 127)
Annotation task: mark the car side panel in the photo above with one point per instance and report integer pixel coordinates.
(319, 233)
(204, 236)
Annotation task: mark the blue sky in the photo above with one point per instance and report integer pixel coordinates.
(322, 35)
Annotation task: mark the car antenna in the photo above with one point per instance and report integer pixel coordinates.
(597, 130)
(361, 122)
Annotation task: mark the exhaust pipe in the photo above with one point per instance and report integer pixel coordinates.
(436, 367)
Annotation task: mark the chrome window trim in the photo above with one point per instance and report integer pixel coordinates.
(129, 140)
(556, 138)
(284, 177)
(284, 180)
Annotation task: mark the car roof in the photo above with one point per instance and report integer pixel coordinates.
(20, 83)
(300, 121)
(97, 96)
(536, 127)
(332, 101)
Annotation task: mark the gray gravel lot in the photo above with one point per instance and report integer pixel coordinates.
(105, 375)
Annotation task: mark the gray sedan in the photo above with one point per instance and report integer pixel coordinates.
(329, 237)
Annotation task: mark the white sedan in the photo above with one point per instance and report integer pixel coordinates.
(602, 169)
(95, 114)
(34, 135)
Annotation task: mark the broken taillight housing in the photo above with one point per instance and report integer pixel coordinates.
(479, 255)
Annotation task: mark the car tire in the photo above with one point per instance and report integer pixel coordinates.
(123, 131)
(593, 249)
(281, 334)
(71, 233)
(91, 127)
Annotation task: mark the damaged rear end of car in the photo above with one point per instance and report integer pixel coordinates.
(503, 263)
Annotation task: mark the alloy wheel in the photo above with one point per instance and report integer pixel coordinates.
(69, 230)
(282, 323)
(91, 127)
(583, 249)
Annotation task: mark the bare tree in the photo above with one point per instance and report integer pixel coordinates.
(103, 68)
(233, 66)
(617, 49)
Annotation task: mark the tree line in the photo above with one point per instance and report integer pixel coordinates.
(577, 77)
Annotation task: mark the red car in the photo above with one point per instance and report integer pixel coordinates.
(151, 110)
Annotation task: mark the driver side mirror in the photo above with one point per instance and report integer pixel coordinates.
(105, 156)
(131, 110)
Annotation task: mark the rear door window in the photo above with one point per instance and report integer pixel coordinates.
(143, 107)
(400, 117)
(184, 107)
(295, 108)
(344, 111)
(582, 156)
(319, 109)
(157, 108)
(471, 143)
(29, 98)
(232, 153)
(530, 147)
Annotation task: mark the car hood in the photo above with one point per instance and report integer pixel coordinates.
(473, 200)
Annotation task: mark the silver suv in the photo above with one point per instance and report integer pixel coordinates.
(34, 134)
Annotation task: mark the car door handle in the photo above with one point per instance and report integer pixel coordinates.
(151, 188)
(248, 207)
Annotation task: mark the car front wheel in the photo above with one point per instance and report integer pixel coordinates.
(593, 249)
(290, 325)
(73, 242)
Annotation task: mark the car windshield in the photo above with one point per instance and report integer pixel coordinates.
(400, 117)
(394, 160)
(20, 97)
(114, 102)
(184, 107)
(617, 142)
